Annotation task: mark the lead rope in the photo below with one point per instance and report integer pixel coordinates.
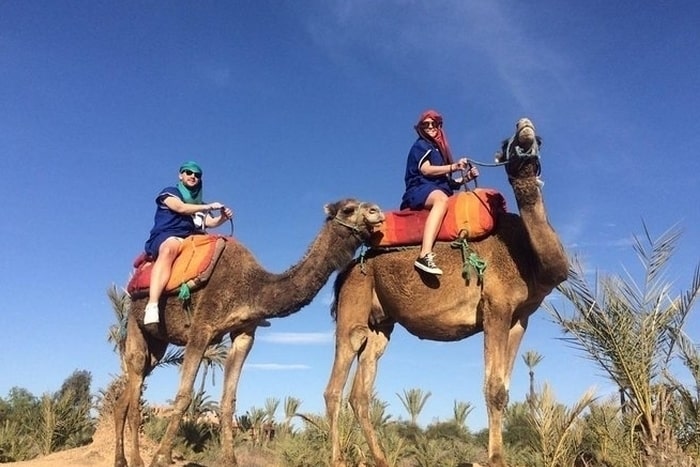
(470, 260)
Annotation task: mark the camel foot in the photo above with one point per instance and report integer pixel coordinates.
(229, 460)
(161, 460)
(496, 460)
(121, 462)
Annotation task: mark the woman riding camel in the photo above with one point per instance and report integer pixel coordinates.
(429, 182)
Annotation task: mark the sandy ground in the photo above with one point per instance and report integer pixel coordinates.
(98, 454)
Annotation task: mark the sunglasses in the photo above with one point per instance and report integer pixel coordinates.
(190, 172)
(426, 125)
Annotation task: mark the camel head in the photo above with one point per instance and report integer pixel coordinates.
(358, 216)
(521, 152)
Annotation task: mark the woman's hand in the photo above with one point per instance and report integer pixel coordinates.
(462, 164)
(471, 173)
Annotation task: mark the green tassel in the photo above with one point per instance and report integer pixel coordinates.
(478, 264)
(184, 294)
(469, 260)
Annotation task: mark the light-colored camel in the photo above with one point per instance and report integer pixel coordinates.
(525, 262)
(238, 297)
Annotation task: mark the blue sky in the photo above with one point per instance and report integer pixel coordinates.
(290, 105)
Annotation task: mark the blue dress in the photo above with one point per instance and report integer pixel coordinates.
(167, 223)
(418, 186)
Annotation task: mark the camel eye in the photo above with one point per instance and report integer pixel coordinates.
(348, 210)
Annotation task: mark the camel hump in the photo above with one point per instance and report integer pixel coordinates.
(471, 215)
(192, 268)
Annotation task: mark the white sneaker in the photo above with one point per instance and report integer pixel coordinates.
(151, 314)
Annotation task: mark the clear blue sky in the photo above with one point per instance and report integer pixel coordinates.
(290, 105)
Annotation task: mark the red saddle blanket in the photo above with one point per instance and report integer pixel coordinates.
(193, 266)
(471, 213)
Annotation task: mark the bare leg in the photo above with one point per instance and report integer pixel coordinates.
(160, 273)
(437, 203)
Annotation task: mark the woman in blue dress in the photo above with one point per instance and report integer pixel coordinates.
(180, 212)
(429, 182)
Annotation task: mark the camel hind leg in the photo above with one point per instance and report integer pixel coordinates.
(363, 388)
(140, 356)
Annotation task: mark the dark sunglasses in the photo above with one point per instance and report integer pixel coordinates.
(190, 172)
(426, 125)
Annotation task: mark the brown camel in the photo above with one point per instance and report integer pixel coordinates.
(525, 262)
(239, 296)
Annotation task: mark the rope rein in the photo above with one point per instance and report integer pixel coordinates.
(470, 260)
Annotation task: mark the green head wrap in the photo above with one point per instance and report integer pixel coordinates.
(191, 195)
(191, 165)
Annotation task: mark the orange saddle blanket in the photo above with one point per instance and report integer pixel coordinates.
(192, 267)
(473, 212)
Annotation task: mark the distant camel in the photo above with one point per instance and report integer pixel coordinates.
(239, 296)
(525, 262)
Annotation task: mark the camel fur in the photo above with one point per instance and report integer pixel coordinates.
(525, 262)
(239, 296)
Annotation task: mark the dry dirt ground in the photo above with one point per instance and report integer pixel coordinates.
(98, 454)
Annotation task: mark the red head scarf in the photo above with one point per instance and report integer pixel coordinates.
(440, 139)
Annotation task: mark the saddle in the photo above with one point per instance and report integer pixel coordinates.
(191, 269)
(471, 215)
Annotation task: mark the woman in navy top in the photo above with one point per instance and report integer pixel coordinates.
(180, 212)
(428, 178)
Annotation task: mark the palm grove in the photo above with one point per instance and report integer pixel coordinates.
(632, 329)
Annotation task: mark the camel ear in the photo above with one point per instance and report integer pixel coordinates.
(331, 209)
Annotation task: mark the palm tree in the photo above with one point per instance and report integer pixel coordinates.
(116, 334)
(413, 401)
(461, 411)
(291, 407)
(632, 333)
(556, 430)
(532, 359)
(214, 357)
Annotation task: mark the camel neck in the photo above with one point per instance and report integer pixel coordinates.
(286, 293)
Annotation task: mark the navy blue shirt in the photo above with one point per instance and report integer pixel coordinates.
(168, 223)
(419, 186)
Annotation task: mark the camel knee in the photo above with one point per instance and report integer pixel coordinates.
(243, 341)
(358, 337)
(497, 395)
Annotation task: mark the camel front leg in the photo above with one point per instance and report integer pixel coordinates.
(347, 346)
(240, 348)
(363, 389)
(496, 362)
(194, 350)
